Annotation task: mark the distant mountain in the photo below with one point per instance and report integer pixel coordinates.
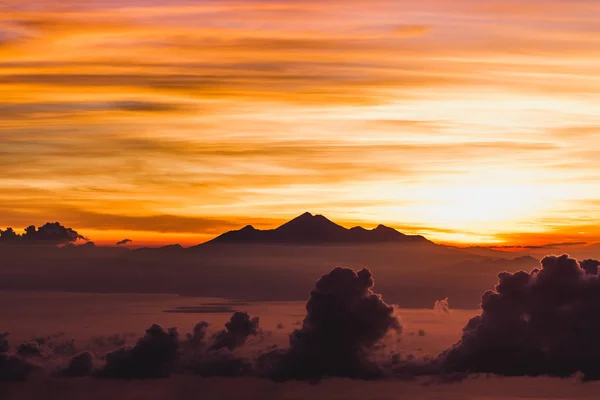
(316, 229)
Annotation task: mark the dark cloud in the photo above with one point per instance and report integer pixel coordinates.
(542, 246)
(25, 110)
(154, 356)
(12, 368)
(124, 242)
(9, 235)
(29, 349)
(146, 106)
(55, 343)
(197, 339)
(590, 266)
(223, 363)
(539, 323)
(80, 365)
(111, 341)
(345, 321)
(236, 332)
(4, 342)
(50, 233)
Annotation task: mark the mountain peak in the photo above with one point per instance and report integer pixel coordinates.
(317, 230)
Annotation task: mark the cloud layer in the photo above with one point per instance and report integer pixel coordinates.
(266, 108)
(534, 323)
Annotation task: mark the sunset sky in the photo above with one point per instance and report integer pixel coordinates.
(172, 121)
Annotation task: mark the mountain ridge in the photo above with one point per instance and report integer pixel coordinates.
(315, 229)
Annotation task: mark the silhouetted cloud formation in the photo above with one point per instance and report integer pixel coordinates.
(345, 320)
(154, 356)
(114, 340)
(29, 349)
(124, 242)
(50, 233)
(12, 368)
(4, 342)
(236, 332)
(80, 365)
(538, 323)
(590, 266)
(196, 339)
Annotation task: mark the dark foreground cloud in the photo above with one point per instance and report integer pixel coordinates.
(29, 349)
(3, 343)
(50, 233)
(124, 242)
(154, 356)
(80, 365)
(160, 353)
(236, 332)
(197, 339)
(544, 322)
(345, 320)
(12, 368)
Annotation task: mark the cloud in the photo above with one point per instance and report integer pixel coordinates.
(236, 332)
(196, 339)
(29, 349)
(49, 233)
(12, 368)
(345, 321)
(153, 356)
(539, 323)
(115, 341)
(4, 342)
(80, 365)
(18, 111)
(534, 323)
(124, 242)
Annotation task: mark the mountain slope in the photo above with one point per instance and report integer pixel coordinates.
(316, 229)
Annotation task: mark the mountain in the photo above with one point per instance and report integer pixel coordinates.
(316, 229)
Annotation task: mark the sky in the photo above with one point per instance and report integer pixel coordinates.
(469, 122)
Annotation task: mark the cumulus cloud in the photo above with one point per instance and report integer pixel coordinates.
(345, 321)
(196, 339)
(236, 332)
(99, 343)
(29, 349)
(153, 356)
(542, 322)
(49, 233)
(12, 368)
(80, 365)
(4, 342)
(539, 323)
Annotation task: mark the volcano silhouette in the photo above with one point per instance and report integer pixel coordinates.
(317, 229)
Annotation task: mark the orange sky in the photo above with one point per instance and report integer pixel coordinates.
(171, 121)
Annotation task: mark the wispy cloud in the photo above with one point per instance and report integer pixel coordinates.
(465, 118)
